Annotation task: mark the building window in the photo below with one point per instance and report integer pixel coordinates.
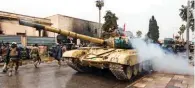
(89, 30)
(21, 34)
(96, 31)
(1, 32)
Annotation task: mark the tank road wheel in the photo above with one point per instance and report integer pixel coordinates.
(135, 70)
(118, 71)
(76, 66)
(129, 72)
(73, 65)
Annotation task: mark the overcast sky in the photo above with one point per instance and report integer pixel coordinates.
(135, 13)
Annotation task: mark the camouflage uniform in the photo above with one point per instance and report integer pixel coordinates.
(12, 58)
(6, 61)
(35, 55)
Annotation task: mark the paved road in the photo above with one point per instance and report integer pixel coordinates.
(52, 76)
(49, 75)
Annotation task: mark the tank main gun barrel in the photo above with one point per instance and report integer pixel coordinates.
(62, 32)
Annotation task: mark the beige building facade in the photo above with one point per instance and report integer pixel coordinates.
(9, 25)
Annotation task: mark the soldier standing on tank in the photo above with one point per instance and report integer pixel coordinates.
(35, 55)
(13, 57)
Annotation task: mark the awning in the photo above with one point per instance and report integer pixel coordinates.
(10, 38)
(40, 40)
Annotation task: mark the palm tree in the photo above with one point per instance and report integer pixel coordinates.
(182, 30)
(139, 33)
(100, 4)
(183, 15)
(177, 37)
(180, 33)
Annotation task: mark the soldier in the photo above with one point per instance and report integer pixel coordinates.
(35, 55)
(13, 57)
(5, 49)
(58, 53)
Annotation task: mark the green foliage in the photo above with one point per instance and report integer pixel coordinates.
(183, 15)
(139, 33)
(179, 32)
(110, 22)
(153, 32)
(99, 4)
(182, 28)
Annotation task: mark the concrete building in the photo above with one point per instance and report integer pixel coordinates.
(75, 24)
(9, 27)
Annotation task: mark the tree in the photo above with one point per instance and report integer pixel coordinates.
(139, 33)
(153, 32)
(180, 33)
(183, 15)
(177, 37)
(182, 30)
(110, 22)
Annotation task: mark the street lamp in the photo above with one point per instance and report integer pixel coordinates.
(100, 4)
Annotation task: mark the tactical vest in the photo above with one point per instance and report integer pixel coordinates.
(13, 52)
(34, 52)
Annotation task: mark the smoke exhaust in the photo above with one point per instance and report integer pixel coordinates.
(161, 61)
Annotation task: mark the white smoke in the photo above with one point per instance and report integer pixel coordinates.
(161, 61)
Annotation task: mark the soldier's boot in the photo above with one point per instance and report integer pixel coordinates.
(35, 64)
(59, 63)
(39, 61)
(10, 72)
(16, 68)
(5, 68)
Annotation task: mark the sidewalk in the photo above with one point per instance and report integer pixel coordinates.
(161, 80)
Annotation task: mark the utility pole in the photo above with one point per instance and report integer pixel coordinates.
(194, 34)
(100, 4)
(187, 28)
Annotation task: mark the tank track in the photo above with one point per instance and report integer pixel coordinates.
(118, 72)
(73, 65)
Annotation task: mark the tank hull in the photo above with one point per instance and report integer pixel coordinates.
(123, 63)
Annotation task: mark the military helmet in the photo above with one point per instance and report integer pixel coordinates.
(14, 43)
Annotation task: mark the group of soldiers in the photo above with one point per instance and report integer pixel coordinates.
(11, 56)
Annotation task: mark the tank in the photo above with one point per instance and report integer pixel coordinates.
(115, 54)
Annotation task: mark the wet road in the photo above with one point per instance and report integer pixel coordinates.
(52, 76)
